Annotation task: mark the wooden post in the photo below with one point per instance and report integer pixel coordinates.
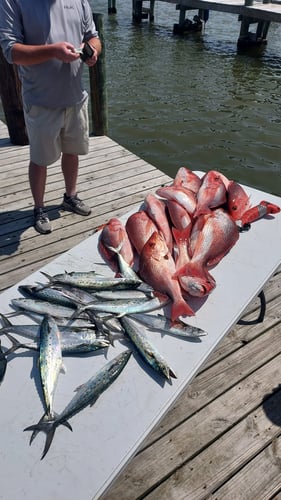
(98, 92)
(10, 91)
(112, 7)
(137, 11)
(151, 10)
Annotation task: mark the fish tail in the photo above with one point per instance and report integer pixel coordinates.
(181, 235)
(77, 312)
(48, 276)
(15, 344)
(191, 269)
(181, 308)
(169, 373)
(46, 424)
(259, 211)
(5, 322)
(118, 249)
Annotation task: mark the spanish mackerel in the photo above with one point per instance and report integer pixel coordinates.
(163, 324)
(72, 341)
(50, 360)
(83, 280)
(86, 394)
(42, 307)
(122, 307)
(146, 348)
(47, 293)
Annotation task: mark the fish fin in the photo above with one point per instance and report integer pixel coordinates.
(63, 369)
(48, 276)
(47, 425)
(15, 344)
(181, 308)
(45, 418)
(77, 312)
(190, 269)
(78, 388)
(99, 228)
(115, 250)
(181, 234)
(5, 321)
(93, 402)
(161, 296)
(172, 373)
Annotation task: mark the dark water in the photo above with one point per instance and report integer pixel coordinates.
(194, 101)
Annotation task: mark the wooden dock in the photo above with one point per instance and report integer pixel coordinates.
(265, 11)
(222, 438)
(250, 12)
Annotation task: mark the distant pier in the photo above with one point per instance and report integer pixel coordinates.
(250, 12)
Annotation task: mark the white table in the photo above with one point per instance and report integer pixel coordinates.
(82, 464)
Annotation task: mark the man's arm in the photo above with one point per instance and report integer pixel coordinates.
(27, 55)
(95, 44)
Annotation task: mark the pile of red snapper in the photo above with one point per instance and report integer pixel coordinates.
(178, 236)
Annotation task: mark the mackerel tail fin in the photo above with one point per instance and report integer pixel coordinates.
(181, 308)
(48, 276)
(5, 322)
(48, 425)
(16, 344)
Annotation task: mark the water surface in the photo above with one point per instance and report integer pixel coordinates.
(194, 101)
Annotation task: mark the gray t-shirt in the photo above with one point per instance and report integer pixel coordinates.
(53, 83)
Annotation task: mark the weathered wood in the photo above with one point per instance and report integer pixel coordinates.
(262, 474)
(10, 91)
(22, 250)
(184, 455)
(98, 92)
(112, 7)
(205, 473)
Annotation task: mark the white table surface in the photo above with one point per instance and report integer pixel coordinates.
(82, 464)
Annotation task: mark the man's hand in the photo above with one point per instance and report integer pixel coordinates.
(92, 61)
(65, 52)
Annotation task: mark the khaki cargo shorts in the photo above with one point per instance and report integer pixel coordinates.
(55, 131)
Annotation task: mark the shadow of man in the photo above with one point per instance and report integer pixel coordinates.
(15, 222)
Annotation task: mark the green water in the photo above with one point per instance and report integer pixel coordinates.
(194, 101)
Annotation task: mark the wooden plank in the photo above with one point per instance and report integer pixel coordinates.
(204, 474)
(260, 478)
(22, 250)
(21, 246)
(110, 194)
(191, 455)
(89, 182)
(113, 160)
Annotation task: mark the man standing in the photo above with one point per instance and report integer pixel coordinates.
(44, 38)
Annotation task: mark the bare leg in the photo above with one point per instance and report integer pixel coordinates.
(69, 166)
(37, 181)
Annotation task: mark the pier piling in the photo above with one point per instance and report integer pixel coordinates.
(10, 91)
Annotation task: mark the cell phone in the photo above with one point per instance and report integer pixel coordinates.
(87, 52)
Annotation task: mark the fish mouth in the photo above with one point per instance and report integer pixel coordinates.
(197, 287)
